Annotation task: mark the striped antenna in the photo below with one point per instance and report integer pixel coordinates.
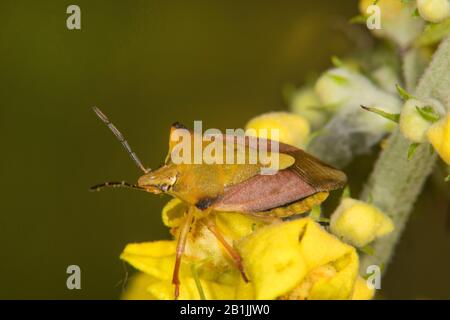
(121, 138)
(121, 184)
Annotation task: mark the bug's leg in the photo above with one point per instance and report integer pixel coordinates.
(182, 237)
(211, 225)
(121, 184)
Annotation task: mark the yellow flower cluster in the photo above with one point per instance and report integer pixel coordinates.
(283, 260)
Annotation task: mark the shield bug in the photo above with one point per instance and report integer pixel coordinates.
(301, 182)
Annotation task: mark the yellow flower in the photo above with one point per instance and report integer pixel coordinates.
(362, 291)
(297, 260)
(439, 137)
(285, 260)
(137, 287)
(156, 259)
(293, 129)
(359, 223)
(173, 213)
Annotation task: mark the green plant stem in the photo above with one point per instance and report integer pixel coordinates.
(198, 284)
(395, 182)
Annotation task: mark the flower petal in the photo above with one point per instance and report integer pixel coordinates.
(163, 290)
(153, 258)
(341, 285)
(439, 137)
(362, 291)
(137, 287)
(273, 260)
(173, 213)
(279, 257)
(235, 225)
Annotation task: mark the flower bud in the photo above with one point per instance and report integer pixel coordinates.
(306, 104)
(434, 10)
(334, 87)
(412, 124)
(293, 129)
(359, 223)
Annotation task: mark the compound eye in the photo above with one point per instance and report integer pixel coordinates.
(173, 180)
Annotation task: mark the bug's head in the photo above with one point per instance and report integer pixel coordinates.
(160, 180)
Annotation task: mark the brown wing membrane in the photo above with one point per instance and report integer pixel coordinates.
(321, 176)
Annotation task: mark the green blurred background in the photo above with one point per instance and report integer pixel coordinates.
(147, 64)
